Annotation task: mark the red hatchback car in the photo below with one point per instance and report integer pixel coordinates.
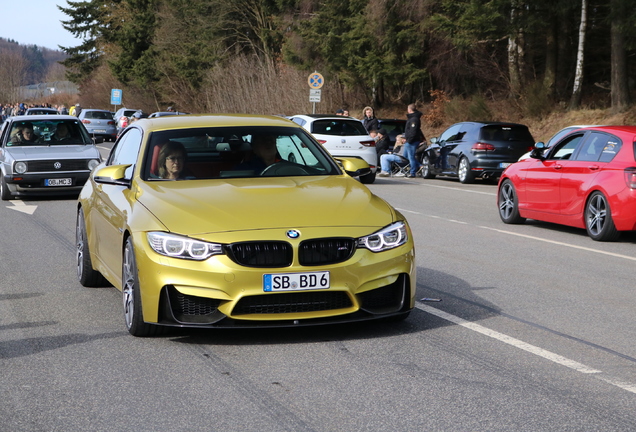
(586, 180)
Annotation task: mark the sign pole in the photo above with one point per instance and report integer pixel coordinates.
(315, 82)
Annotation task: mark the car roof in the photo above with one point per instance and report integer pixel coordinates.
(37, 117)
(94, 109)
(492, 123)
(41, 109)
(210, 120)
(324, 116)
(615, 129)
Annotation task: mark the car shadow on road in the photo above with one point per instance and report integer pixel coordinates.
(626, 236)
(456, 297)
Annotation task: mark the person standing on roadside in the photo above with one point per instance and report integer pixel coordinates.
(368, 119)
(413, 136)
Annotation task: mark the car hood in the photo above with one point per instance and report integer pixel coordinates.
(195, 207)
(52, 152)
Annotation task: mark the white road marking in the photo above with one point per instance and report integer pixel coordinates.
(548, 355)
(22, 207)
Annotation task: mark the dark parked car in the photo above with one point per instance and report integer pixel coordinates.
(471, 150)
(394, 127)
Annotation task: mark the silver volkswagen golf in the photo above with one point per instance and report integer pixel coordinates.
(45, 155)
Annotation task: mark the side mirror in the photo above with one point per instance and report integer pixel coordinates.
(353, 166)
(112, 175)
(538, 151)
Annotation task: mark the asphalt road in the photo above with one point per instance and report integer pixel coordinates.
(534, 331)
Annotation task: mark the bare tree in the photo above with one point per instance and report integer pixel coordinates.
(575, 101)
(516, 50)
(619, 84)
(13, 70)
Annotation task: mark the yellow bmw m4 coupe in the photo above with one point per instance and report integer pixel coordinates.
(239, 221)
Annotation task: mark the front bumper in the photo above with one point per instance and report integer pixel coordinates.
(220, 293)
(35, 184)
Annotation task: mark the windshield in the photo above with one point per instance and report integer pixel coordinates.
(207, 153)
(48, 132)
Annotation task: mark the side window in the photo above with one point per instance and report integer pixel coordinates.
(565, 148)
(126, 150)
(450, 134)
(611, 148)
(299, 121)
(592, 147)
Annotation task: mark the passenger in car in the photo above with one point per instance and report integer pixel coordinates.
(25, 134)
(172, 157)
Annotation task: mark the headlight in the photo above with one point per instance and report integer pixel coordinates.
(387, 238)
(177, 246)
(92, 164)
(20, 167)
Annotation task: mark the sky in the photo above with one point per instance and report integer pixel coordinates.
(44, 28)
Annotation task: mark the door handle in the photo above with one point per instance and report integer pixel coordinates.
(593, 167)
(558, 167)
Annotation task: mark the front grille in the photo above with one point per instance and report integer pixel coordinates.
(292, 303)
(49, 165)
(261, 254)
(325, 251)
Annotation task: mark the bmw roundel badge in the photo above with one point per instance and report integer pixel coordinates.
(293, 234)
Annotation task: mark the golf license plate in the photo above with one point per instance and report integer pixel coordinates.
(58, 182)
(99, 131)
(295, 281)
(505, 164)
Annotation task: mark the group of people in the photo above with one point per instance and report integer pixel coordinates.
(16, 109)
(405, 149)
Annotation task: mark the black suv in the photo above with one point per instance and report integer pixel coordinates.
(470, 150)
(394, 127)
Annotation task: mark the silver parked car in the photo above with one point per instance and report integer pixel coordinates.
(44, 154)
(99, 123)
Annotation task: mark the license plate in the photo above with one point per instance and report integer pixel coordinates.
(505, 164)
(99, 131)
(58, 182)
(295, 281)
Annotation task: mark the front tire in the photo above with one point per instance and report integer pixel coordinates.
(464, 173)
(598, 219)
(509, 204)
(426, 168)
(131, 296)
(87, 275)
(5, 193)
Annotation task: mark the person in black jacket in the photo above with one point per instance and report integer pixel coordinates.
(413, 136)
(383, 143)
(368, 119)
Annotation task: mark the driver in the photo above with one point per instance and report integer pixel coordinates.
(264, 154)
